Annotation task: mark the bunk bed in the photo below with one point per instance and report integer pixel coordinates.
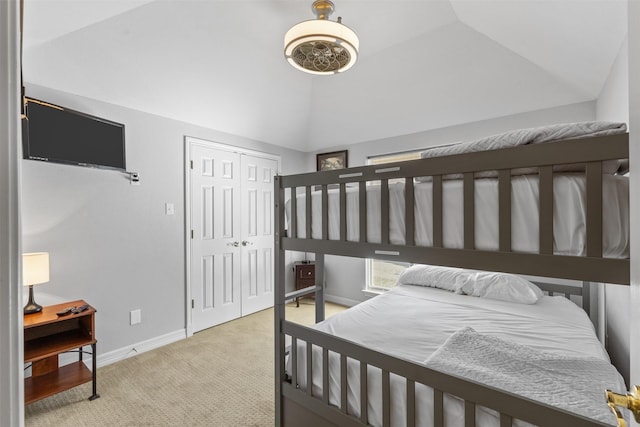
(403, 212)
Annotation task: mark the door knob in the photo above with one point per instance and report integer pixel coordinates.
(245, 243)
(234, 244)
(629, 401)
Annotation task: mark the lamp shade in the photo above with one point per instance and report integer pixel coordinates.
(35, 268)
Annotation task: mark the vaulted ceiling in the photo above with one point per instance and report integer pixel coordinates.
(424, 64)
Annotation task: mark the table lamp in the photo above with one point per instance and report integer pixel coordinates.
(35, 270)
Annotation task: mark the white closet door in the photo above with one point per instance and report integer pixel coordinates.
(257, 232)
(231, 215)
(215, 246)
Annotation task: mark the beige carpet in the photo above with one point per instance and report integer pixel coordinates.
(222, 376)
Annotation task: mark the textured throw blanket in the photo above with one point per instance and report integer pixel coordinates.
(571, 383)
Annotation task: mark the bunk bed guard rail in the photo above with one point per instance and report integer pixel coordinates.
(590, 151)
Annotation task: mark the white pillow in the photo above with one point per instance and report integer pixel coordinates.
(433, 276)
(501, 286)
(485, 284)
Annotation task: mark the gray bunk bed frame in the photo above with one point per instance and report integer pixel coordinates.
(295, 406)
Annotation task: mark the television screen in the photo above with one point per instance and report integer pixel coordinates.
(60, 135)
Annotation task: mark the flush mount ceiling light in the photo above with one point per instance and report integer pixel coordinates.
(320, 46)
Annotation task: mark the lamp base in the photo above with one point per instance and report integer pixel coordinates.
(32, 306)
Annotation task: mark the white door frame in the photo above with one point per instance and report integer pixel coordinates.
(633, 14)
(188, 140)
(11, 317)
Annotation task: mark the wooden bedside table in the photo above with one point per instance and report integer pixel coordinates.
(305, 276)
(46, 335)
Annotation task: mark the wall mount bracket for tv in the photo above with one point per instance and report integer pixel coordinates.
(134, 177)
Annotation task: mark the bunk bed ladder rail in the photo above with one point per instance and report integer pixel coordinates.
(279, 296)
(371, 363)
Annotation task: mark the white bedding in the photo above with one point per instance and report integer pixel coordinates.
(569, 214)
(412, 322)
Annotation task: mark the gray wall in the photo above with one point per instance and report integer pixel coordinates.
(634, 147)
(613, 104)
(575, 112)
(110, 242)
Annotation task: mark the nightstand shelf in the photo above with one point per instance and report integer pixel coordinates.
(46, 336)
(44, 347)
(63, 378)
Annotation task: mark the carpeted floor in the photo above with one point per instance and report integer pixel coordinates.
(222, 376)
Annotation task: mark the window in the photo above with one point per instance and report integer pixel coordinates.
(383, 275)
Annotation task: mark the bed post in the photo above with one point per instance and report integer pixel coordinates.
(595, 306)
(586, 298)
(279, 303)
(319, 287)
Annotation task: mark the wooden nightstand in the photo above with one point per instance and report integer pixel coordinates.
(47, 335)
(305, 276)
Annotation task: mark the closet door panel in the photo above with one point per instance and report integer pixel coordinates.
(257, 233)
(215, 249)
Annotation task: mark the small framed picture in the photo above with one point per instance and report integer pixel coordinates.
(332, 161)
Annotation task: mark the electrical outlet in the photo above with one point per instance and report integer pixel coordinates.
(169, 209)
(135, 317)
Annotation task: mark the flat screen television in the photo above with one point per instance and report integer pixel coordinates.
(61, 135)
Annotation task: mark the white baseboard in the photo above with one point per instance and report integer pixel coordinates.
(342, 301)
(122, 353)
(141, 347)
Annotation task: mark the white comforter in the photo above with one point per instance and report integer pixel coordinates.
(412, 322)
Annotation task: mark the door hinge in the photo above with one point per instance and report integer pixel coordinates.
(193, 303)
(191, 163)
(192, 234)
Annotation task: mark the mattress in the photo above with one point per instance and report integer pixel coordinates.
(569, 214)
(413, 322)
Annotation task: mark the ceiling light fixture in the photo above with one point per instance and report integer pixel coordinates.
(320, 46)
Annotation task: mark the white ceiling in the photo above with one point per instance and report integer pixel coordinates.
(423, 65)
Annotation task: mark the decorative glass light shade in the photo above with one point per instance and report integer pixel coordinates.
(320, 46)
